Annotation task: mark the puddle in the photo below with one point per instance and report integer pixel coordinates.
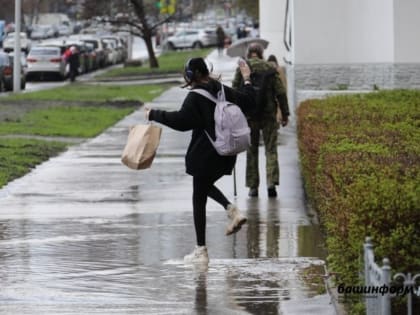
(133, 264)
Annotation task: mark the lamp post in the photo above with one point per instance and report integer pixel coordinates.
(16, 55)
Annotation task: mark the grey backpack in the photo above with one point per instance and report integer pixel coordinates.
(231, 126)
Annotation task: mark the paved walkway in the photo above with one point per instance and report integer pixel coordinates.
(82, 234)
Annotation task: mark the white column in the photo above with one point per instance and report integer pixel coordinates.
(407, 26)
(271, 19)
(16, 61)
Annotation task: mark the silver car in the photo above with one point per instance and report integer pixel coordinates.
(120, 47)
(9, 42)
(44, 60)
(40, 32)
(192, 39)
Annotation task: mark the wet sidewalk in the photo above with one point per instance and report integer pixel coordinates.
(83, 234)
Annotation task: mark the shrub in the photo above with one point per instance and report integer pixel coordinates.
(360, 158)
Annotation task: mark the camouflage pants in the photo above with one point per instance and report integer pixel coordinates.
(269, 132)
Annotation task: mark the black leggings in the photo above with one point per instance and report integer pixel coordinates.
(203, 187)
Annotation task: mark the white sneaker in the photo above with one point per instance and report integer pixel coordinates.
(198, 256)
(237, 219)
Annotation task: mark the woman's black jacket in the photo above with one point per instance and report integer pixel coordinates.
(197, 114)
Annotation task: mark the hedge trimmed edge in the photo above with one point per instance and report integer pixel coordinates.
(360, 159)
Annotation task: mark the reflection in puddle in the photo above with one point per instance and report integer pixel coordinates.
(270, 236)
(200, 301)
(311, 242)
(101, 263)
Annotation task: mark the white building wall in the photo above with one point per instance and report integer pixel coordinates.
(342, 31)
(315, 40)
(346, 44)
(271, 19)
(370, 31)
(407, 29)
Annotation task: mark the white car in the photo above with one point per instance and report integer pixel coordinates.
(39, 33)
(43, 60)
(9, 42)
(192, 39)
(64, 30)
(111, 51)
(119, 46)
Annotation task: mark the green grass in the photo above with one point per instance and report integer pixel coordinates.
(19, 156)
(94, 93)
(169, 62)
(65, 121)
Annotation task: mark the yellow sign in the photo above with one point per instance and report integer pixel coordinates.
(167, 6)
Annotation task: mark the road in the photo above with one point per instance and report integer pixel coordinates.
(139, 52)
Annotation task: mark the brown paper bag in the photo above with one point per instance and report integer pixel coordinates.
(142, 143)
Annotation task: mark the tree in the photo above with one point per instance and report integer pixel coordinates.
(198, 6)
(145, 27)
(250, 6)
(139, 17)
(7, 10)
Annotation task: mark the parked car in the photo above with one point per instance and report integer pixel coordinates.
(192, 39)
(23, 62)
(9, 42)
(6, 73)
(64, 44)
(61, 43)
(119, 46)
(85, 58)
(92, 56)
(98, 45)
(41, 32)
(54, 30)
(64, 30)
(44, 59)
(110, 51)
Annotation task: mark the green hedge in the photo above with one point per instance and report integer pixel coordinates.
(360, 158)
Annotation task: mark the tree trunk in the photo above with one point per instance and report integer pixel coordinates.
(139, 9)
(152, 57)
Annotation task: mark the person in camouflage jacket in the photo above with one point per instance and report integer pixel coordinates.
(272, 99)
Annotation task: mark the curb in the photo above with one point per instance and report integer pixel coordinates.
(144, 77)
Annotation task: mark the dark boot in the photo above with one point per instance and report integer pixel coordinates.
(253, 192)
(272, 193)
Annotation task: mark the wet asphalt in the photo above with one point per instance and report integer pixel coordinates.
(83, 234)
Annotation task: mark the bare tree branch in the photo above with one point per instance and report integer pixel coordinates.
(140, 18)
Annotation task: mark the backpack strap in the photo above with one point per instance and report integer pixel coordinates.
(205, 93)
(220, 95)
